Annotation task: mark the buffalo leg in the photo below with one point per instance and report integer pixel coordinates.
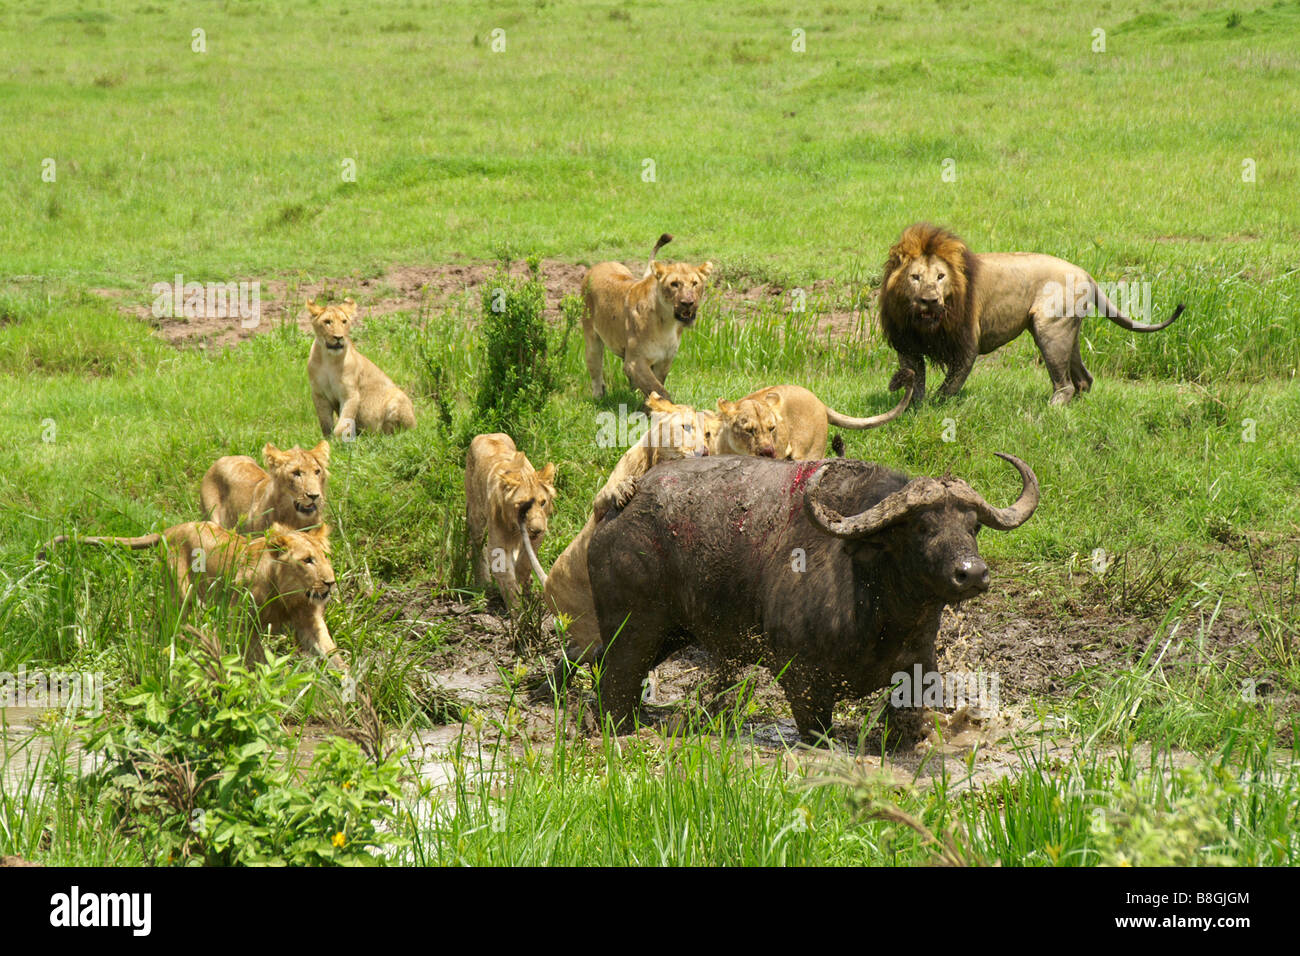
(627, 661)
(811, 709)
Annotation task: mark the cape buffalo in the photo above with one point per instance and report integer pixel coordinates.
(832, 574)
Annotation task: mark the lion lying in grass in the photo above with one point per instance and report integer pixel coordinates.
(287, 573)
(239, 495)
(508, 503)
(786, 421)
(345, 382)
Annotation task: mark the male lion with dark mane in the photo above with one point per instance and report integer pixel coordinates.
(943, 302)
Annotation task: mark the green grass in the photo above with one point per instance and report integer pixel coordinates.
(1181, 465)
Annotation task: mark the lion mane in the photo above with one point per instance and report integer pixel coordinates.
(955, 334)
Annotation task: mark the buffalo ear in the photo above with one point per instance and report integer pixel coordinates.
(273, 456)
(314, 309)
(322, 453)
(704, 269)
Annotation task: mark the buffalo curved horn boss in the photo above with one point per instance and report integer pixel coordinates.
(919, 494)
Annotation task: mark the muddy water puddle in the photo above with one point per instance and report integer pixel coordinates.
(965, 754)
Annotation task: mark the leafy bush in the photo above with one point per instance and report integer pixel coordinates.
(1175, 821)
(517, 376)
(205, 773)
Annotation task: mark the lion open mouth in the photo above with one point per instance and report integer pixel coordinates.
(305, 509)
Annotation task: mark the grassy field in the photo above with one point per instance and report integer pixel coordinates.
(1168, 157)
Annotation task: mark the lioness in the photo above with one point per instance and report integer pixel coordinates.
(787, 421)
(287, 572)
(641, 320)
(506, 500)
(943, 302)
(674, 432)
(238, 494)
(345, 381)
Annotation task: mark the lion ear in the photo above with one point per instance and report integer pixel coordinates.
(349, 306)
(547, 475)
(661, 270)
(278, 535)
(321, 535)
(704, 269)
(657, 403)
(273, 456)
(773, 398)
(725, 406)
(322, 453)
(314, 309)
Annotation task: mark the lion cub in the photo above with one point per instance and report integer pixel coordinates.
(345, 381)
(674, 432)
(787, 421)
(236, 493)
(641, 320)
(287, 572)
(505, 498)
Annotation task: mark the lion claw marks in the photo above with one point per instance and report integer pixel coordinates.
(624, 492)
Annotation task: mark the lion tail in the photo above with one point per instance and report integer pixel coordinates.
(532, 556)
(135, 544)
(844, 421)
(1111, 311)
(663, 241)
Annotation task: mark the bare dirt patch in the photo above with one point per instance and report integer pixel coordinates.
(420, 289)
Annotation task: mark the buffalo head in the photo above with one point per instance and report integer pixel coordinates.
(929, 526)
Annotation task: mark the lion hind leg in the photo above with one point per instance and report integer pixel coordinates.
(1079, 375)
(1056, 337)
(595, 360)
(399, 412)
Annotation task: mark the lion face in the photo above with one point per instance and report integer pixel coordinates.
(530, 498)
(929, 289)
(750, 427)
(300, 567)
(927, 278)
(299, 476)
(676, 431)
(681, 285)
(332, 323)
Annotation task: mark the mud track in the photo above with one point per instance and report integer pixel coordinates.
(421, 289)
